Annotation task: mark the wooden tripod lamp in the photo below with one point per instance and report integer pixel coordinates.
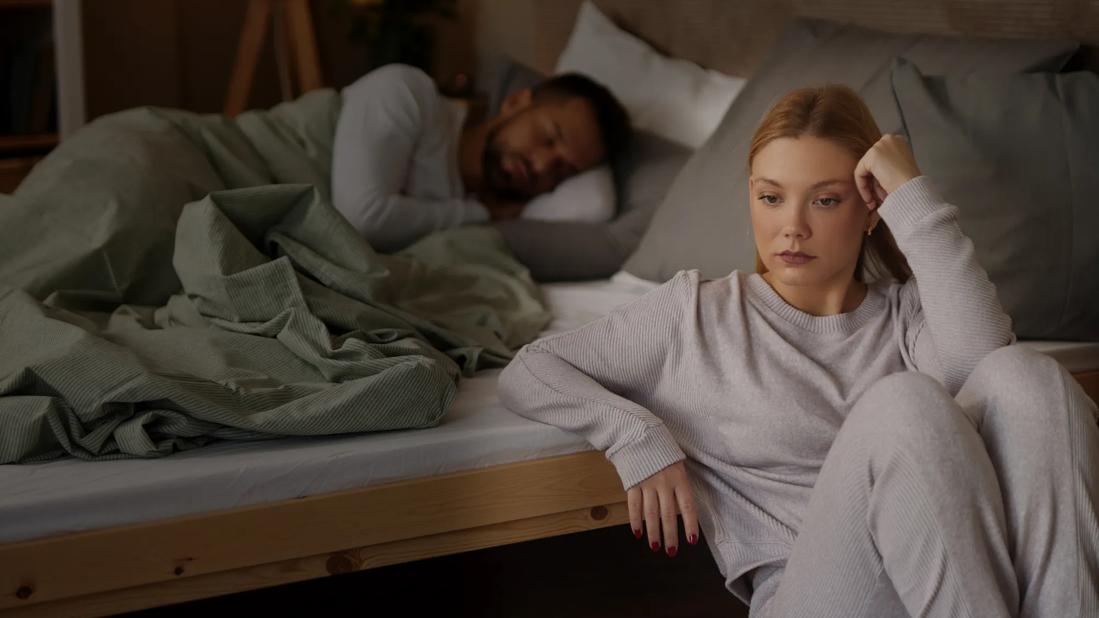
(295, 50)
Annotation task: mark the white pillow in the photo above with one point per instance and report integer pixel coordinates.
(588, 196)
(675, 99)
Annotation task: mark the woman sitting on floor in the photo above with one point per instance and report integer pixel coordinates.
(859, 446)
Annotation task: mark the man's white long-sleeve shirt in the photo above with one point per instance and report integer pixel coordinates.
(395, 172)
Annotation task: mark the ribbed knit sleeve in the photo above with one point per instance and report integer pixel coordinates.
(580, 380)
(950, 299)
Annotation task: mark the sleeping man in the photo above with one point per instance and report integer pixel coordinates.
(405, 162)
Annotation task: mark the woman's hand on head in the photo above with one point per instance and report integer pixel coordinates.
(884, 168)
(655, 500)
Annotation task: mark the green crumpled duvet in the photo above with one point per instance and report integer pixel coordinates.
(169, 278)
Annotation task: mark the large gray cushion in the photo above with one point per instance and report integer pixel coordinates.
(567, 250)
(704, 221)
(1018, 154)
(498, 76)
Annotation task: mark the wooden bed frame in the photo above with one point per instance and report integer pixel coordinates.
(210, 554)
(174, 560)
(170, 561)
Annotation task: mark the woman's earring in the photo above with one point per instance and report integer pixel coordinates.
(869, 230)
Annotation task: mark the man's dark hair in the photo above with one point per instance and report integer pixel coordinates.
(614, 121)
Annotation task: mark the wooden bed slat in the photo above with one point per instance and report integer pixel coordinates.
(85, 563)
(1090, 381)
(295, 570)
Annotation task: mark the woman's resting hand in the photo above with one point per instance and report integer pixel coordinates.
(884, 168)
(657, 500)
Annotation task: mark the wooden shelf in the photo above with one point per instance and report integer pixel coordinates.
(15, 143)
(7, 4)
(12, 172)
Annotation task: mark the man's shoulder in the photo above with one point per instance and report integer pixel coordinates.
(393, 80)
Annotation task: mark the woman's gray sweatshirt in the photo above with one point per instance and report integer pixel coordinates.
(752, 391)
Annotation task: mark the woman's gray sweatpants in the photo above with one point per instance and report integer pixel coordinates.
(983, 505)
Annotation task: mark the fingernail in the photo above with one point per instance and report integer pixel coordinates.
(656, 546)
(672, 550)
(692, 539)
(637, 533)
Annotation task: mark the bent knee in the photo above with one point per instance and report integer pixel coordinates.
(904, 390)
(1016, 384)
(906, 407)
(1014, 364)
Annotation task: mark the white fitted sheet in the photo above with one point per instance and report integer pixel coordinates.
(70, 495)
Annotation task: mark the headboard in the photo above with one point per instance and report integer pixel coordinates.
(732, 36)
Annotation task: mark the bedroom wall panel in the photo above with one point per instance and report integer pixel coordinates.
(732, 37)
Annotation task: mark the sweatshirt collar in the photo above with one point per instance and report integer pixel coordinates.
(761, 294)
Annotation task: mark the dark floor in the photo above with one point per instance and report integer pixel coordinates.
(604, 573)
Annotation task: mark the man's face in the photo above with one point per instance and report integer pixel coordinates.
(540, 144)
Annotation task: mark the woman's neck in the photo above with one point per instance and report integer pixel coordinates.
(823, 299)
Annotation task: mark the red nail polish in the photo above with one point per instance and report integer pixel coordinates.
(656, 545)
(672, 550)
(692, 539)
(637, 533)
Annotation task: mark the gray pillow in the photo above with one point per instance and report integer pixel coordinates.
(704, 221)
(498, 76)
(566, 250)
(1018, 154)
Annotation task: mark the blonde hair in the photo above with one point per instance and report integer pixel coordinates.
(837, 113)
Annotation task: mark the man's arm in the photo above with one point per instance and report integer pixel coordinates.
(383, 116)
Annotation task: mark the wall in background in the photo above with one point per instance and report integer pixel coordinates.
(733, 37)
(180, 53)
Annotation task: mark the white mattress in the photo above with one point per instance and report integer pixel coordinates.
(70, 495)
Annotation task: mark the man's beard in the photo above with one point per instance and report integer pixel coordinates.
(496, 178)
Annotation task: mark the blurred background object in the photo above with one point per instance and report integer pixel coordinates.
(28, 107)
(397, 30)
(295, 51)
(182, 53)
(66, 62)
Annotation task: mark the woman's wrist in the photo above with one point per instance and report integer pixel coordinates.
(910, 203)
(902, 180)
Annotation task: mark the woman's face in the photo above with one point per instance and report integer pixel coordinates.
(804, 200)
